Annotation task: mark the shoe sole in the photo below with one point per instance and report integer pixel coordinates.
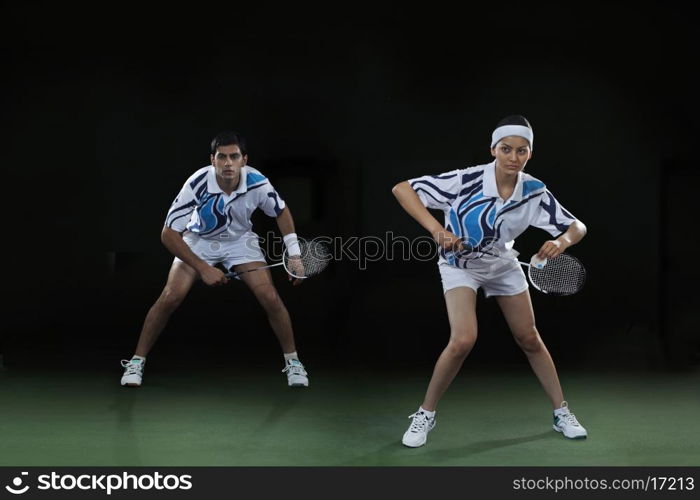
(131, 385)
(567, 437)
(421, 444)
(298, 385)
(414, 445)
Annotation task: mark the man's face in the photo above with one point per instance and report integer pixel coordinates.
(511, 153)
(228, 162)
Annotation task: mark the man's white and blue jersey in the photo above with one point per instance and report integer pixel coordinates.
(203, 208)
(475, 212)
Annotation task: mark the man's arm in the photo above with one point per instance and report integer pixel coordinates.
(286, 225)
(285, 222)
(174, 243)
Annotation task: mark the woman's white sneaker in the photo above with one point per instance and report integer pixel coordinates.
(566, 423)
(417, 433)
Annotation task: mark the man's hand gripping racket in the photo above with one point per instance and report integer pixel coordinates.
(313, 259)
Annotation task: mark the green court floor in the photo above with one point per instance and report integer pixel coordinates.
(349, 417)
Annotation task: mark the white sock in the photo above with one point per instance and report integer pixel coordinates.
(429, 414)
(140, 358)
(290, 355)
(563, 409)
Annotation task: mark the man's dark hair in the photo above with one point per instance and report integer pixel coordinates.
(229, 138)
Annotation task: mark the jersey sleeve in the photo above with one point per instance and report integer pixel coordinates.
(269, 201)
(437, 191)
(181, 209)
(551, 216)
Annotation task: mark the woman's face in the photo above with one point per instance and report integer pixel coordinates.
(511, 153)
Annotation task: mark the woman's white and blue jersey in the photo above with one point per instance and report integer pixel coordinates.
(203, 208)
(475, 212)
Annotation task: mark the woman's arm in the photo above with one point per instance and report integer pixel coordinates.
(412, 204)
(552, 248)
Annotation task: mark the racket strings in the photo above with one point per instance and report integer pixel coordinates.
(314, 258)
(562, 275)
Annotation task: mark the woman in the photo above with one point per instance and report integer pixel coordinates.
(486, 207)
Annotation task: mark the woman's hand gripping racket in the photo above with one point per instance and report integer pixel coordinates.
(561, 275)
(313, 259)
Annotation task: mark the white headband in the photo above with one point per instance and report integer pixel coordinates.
(506, 130)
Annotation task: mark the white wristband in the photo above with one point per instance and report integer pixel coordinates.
(292, 244)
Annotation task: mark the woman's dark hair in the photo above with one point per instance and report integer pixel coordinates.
(514, 120)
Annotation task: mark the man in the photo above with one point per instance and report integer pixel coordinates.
(209, 223)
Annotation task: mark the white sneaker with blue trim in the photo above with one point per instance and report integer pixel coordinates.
(566, 423)
(417, 433)
(296, 374)
(133, 372)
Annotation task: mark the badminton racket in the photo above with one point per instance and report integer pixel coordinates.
(313, 259)
(561, 275)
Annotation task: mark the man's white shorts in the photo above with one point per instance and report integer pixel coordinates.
(506, 279)
(222, 249)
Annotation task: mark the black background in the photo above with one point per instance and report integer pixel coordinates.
(107, 112)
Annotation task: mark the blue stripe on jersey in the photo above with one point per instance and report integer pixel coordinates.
(477, 215)
(243, 193)
(456, 228)
(448, 176)
(448, 196)
(551, 209)
(566, 212)
(470, 190)
(421, 190)
(197, 180)
(468, 177)
(201, 191)
(531, 186)
(254, 187)
(183, 207)
(254, 178)
(486, 221)
(492, 217)
(468, 214)
(473, 221)
(468, 203)
(211, 215)
(170, 220)
(514, 205)
(489, 214)
(273, 195)
(497, 232)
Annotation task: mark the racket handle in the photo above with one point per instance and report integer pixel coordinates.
(233, 274)
(466, 249)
